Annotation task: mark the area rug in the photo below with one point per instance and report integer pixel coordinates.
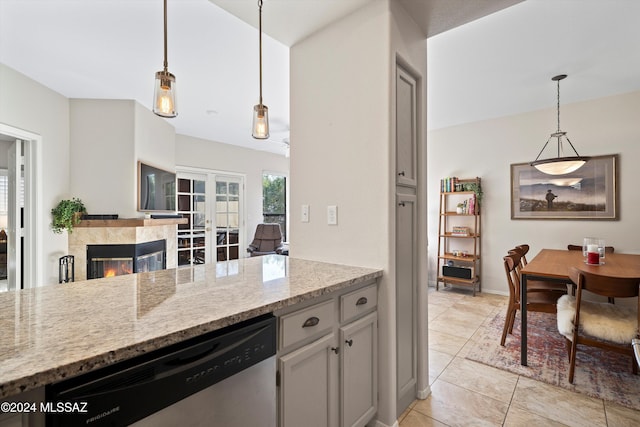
(601, 374)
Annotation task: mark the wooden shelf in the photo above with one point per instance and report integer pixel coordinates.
(449, 220)
(468, 258)
(457, 214)
(458, 280)
(462, 236)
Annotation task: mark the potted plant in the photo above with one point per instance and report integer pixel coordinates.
(67, 214)
(460, 208)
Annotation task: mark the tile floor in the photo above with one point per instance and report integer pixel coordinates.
(466, 393)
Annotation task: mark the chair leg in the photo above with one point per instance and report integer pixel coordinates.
(507, 321)
(512, 320)
(572, 360)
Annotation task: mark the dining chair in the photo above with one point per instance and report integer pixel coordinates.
(540, 285)
(538, 299)
(607, 249)
(599, 324)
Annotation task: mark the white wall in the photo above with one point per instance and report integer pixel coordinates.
(487, 149)
(28, 105)
(340, 140)
(342, 152)
(108, 137)
(204, 154)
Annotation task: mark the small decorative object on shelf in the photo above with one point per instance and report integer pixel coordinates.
(459, 226)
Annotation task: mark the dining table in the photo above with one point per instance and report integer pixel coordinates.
(554, 265)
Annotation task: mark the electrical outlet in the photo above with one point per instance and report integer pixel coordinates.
(305, 213)
(332, 215)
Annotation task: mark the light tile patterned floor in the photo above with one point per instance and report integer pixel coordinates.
(466, 393)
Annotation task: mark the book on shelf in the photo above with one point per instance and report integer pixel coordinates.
(448, 185)
(460, 231)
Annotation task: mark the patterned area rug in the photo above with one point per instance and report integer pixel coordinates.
(601, 374)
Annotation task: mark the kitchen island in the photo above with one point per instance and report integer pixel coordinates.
(55, 332)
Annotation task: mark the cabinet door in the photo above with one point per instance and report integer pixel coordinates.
(359, 368)
(308, 385)
(406, 300)
(406, 128)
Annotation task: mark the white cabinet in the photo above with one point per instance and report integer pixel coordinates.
(327, 361)
(308, 384)
(358, 365)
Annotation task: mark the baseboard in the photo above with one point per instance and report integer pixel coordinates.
(423, 394)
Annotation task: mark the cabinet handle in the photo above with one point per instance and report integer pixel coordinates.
(350, 342)
(311, 321)
(336, 350)
(401, 204)
(401, 173)
(362, 301)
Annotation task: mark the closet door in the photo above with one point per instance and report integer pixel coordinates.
(406, 129)
(406, 300)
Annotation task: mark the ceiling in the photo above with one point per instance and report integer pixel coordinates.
(498, 65)
(503, 64)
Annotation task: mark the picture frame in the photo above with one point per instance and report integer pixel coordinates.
(589, 193)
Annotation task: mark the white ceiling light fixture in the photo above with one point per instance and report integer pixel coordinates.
(260, 111)
(164, 94)
(559, 165)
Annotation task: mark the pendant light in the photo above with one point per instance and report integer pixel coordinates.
(559, 165)
(164, 94)
(260, 111)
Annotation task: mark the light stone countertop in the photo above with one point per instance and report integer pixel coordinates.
(58, 331)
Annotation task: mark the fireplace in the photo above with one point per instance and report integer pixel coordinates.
(118, 259)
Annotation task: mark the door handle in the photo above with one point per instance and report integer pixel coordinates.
(350, 342)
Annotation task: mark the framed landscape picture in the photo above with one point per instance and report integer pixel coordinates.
(588, 193)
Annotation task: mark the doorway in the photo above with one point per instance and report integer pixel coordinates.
(20, 259)
(213, 203)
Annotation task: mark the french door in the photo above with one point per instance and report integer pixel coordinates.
(213, 205)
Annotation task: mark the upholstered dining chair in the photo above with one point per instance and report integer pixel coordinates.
(267, 240)
(538, 299)
(599, 324)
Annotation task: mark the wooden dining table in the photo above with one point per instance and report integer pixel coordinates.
(554, 265)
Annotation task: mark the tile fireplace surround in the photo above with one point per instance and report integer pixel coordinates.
(121, 231)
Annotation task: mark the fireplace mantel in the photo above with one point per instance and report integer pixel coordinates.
(130, 222)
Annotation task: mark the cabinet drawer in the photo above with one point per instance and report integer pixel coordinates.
(357, 302)
(306, 323)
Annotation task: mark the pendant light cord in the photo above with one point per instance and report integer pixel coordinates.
(260, 44)
(558, 82)
(166, 63)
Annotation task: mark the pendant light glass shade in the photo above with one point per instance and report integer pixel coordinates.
(260, 122)
(164, 94)
(260, 111)
(559, 165)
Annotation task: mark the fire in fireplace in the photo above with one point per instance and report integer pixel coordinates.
(119, 259)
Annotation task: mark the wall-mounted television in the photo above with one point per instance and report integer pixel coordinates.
(156, 189)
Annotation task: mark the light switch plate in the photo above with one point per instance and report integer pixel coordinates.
(332, 215)
(305, 213)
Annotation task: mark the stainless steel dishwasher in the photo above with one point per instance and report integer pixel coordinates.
(225, 378)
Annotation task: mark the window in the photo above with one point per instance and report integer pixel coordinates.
(274, 201)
